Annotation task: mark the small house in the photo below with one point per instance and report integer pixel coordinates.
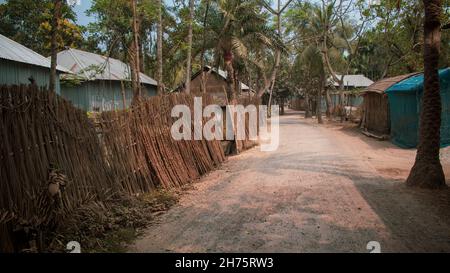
(405, 99)
(21, 65)
(376, 117)
(215, 85)
(100, 83)
(353, 85)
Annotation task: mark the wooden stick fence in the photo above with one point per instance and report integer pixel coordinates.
(43, 137)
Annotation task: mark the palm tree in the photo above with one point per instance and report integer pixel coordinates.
(427, 171)
(311, 58)
(322, 20)
(313, 24)
(235, 28)
(278, 52)
(327, 26)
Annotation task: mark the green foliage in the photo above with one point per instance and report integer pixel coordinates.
(390, 43)
(394, 44)
(236, 26)
(28, 22)
(376, 41)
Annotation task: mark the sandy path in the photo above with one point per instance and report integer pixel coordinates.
(326, 189)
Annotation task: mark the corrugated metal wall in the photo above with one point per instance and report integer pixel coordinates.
(98, 96)
(18, 73)
(354, 100)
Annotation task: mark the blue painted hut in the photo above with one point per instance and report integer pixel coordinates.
(21, 65)
(100, 83)
(405, 99)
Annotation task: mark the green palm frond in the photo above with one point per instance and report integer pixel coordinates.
(239, 48)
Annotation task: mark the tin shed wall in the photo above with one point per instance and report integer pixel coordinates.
(99, 96)
(15, 73)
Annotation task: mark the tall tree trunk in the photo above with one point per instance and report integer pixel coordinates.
(231, 95)
(143, 49)
(202, 55)
(282, 106)
(319, 100)
(231, 81)
(124, 96)
(277, 57)
(269, 113)
(135, 64)
(54, 44)
(159, 53)
(342, 99)
(326, 64)
(329, 102)
(189, 50)
(307, 106)
(427, 171)
(269, 83)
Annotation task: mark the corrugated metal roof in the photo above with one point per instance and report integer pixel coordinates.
(224, 74)
(13, 51)
(382, 85)
(353, 81)
(92, 66)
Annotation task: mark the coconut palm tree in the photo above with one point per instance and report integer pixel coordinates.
(235, 27)
(427, 171)
(327, 26)
(315, 26)
(311, 58)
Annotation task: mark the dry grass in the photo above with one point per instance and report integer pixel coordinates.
(109, 226)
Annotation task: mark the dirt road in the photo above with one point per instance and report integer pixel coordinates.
(326, 189)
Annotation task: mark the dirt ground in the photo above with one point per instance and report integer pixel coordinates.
(327, 188)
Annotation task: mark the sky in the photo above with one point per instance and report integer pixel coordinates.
(82, 6)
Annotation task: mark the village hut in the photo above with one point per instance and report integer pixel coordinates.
(405, 99)
(216, 85)
(353, 85)
(100, 83)
(376, 117)
(21, 65)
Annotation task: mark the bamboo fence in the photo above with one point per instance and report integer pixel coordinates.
(54, 158)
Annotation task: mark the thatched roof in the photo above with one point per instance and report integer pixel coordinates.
(384, 84)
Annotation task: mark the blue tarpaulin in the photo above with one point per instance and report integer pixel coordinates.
(405, 105)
